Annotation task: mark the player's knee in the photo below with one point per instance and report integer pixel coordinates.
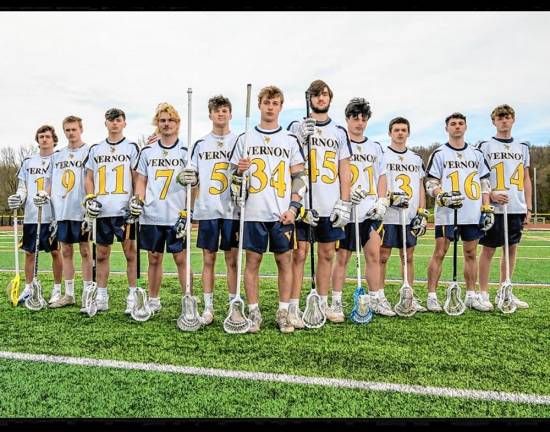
(209, 259)
(84, 251)
(154, 258)
(299, 256)
(384, 255)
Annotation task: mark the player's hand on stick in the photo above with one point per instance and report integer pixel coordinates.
(86, 225)
(450, 199)
(237, 183)
(499, 197)
(135, 206)
(92, 206)
(487, 219)
(420, 222)
(306, 129)
(341, 214)
(188, 177)
(378, 210)
(41, 198)
(52, 230)
(15, 201)
(399, 199)
(357, 194)
(181, 225)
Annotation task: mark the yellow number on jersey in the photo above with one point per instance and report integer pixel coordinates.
(218, 174)
(516, 178)
(370, 173)
(68, 180)
(259, 174)
(471, 187)
(167, 175)
(39, 184)
(405, 185)
(354, 173)
(119, 180)
(277, 180)
(329, 162)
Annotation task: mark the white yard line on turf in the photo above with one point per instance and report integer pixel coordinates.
(287, 379)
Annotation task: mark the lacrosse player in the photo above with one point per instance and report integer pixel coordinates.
(109, 193)
(330, 177)
(67, 191)
(275, 187)
(368, 179)
(217, 216)
(510, 184)
(461, 168)
(34, 181)
(160, 200)
(404, 173)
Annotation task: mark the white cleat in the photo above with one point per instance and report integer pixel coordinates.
(207, 316)
(476, 302)
(130, 302)
(66, 300)
(56, 295)
(520, 304)
(335, 313)
(155, 306)
(381, 306)
(255, 318)
(417, 306)
(295, 317)
(102, 303)
(24, 295)
(282, 321)
(432, 304)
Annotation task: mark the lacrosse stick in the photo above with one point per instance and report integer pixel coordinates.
(405, 306)
(236, 321)
(454, 305)
(89, 295)
(13, 286)
(313, 316)
(189, 319)
(35, 301)
(506, 302)
(140, 311)
(361, 312)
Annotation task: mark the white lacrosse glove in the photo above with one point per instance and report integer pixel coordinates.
(41, 198)
(92, 206)
(357, 194)
(236, 186)
(419, 222)
(487, 219)
(181, 225)
(306, 129)
(378, 210)
(341, 214)
(188, 177)
(14, 201)
(450, 199)
(52, 229)
(309, 216)
(135, 206)
(399, 199)
(86, 225)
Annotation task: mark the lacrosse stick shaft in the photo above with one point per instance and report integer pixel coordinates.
(242, 213)
(506, 246)
(94, 252)
(357, 248)
(310, 199)
(138, 252)
(36, 247)
(455, 241)
(404, 231)
(15, 240)
(188, 201)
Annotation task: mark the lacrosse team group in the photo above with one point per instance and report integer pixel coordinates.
(314, 182)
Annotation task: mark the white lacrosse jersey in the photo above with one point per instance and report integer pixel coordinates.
(272, 153)
(68, 179)
(366, 166)
(459, 170)
(111, 164)
(164, 197)
(508, 159)
(404, 171)
(210, 157)
(329, 145)
(34, 174)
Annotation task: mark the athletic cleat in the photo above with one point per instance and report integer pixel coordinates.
(102, 303)
(282, 321)
(56, 295)
(295, 317)
(475, 302)
(417, 306)
(154, 306)
(66, 300)
(130, 301)
(255, 318)
(207, 316)
(335, 313)
(381, 306)
(24, 295)
(486, 303)
(520, 304)
(432, 304)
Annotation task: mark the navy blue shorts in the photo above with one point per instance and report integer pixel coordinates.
(365, 228)
(71, 232)
(495, 236)
(109, 227)
(393, 236)
(324, 232)
(465, 232)
(224, 232)
(258, 234)
(28, 242)
(157, 238)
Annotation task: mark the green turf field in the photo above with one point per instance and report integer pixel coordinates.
(476, 351)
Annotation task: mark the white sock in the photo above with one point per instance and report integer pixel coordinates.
(86, 284)
(28, 286)
(373, 293)
(485, 295)
(131, 290)
(336, 296)
(232, 296)
(381, 293)
(101, 292)
(57, 287)
(283, 305)
(295, 302)
(470, 293)
(324, 299)
(69, 287)
(154, 300)
(252, 306)
(432, 295)
(208, 300)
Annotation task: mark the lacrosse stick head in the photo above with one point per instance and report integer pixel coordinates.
(236, 321)
(506, 302)
(314, 316)
(361, 312)
(405, 305)
(35, 301)
(189, 319)
(141, 310)
(454, 305)
(89, 301)
(13, 290)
